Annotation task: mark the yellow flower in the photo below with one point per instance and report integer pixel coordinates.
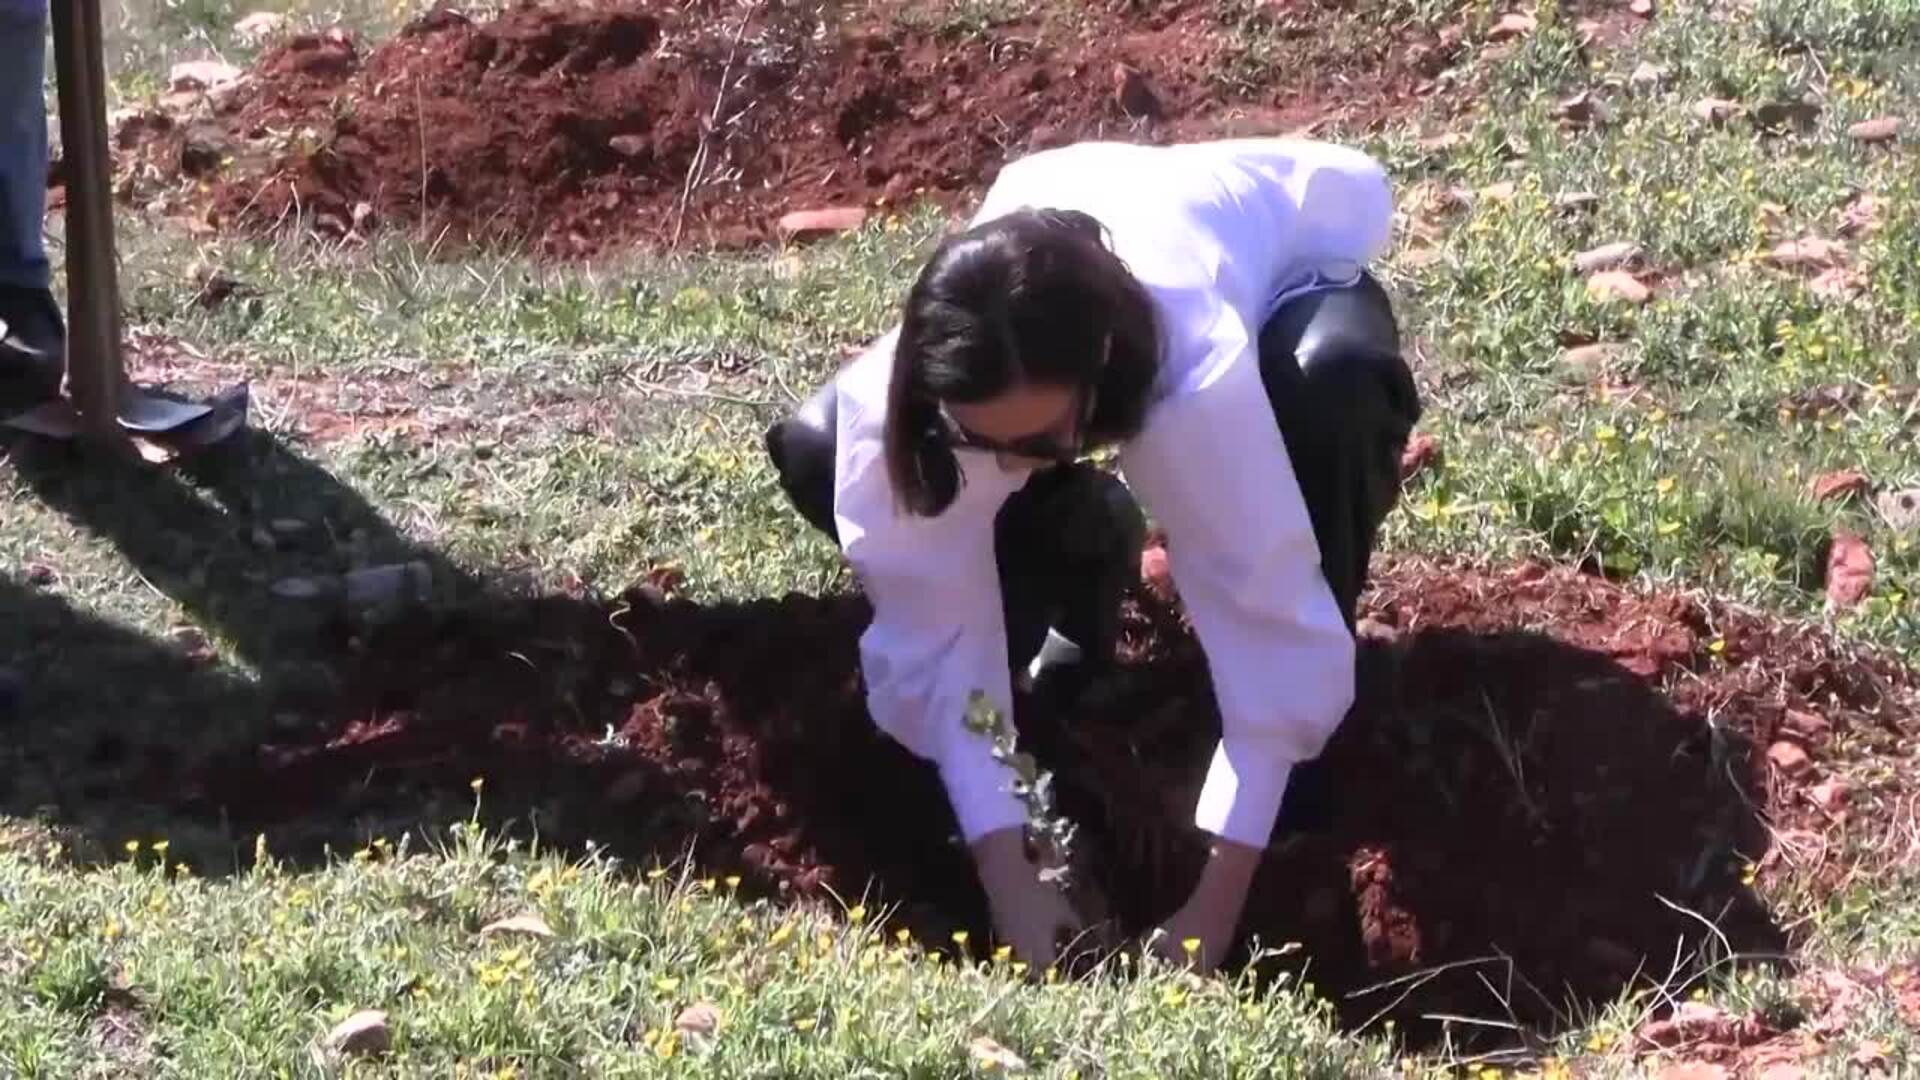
(1717, 646)
(1019, 968)
(781, 935)
(1001, 954)
(1664, 485)
(160, 848)
(477, 783)
(960, 938)
(112, 930)
(669, 1042)
(656, 873)
(733, 882)
(805, 1023)
(133, 847)
(666, 984)
(857, 914)
(1174, 997)
(707, 885)
(903, 935)
(1190, 945)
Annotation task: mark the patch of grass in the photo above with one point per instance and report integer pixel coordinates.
(959, 19)
(247, 974)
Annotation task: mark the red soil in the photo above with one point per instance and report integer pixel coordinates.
(1529, 771)
(579, 128)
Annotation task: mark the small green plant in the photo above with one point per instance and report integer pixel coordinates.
(1049, 835)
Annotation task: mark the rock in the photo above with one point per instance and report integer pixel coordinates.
(1620, 255)
(1789, 757)
(362, 1034)
(1642, 8)
(1807, 253)
(1581, 110)
(1716, 110)
(1575, 201)
(631, 146)
(259, 26)
(1871, 1057)
(1618, 285)
(990, 1056)
(1648, 75)
(1806, 726)
(1849, 571)
(1779, 115)
(1512, 26)
(1901, 509)
(1501, 192)
(803, 225)
(201, 75)
(530, 924)
(1838, 284)
(1589, 362)
(1883, 129)
(1831, 795)
(699, 1020)
(1861, 217)
(1420, 453)
(1692, 1022)
(389, 585)
(1444, 141)
(363, 216)
(1836, 486)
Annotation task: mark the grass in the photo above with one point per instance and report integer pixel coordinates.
(530, 428)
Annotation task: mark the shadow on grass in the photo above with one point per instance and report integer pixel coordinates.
(1525, 817)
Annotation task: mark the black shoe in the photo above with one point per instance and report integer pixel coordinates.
(33, 349)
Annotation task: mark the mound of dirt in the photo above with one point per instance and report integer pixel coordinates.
(576, 128)
(1542, 771)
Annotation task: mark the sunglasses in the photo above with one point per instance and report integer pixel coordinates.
(1041, 445)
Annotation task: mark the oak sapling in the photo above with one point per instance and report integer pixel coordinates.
(1049, 835)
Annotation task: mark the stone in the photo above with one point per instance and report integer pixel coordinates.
(1420, 454)
(1513, 25)
(1789, 757)
(1838, 486)
(530, 924)
(362, 1034)
(631, 146)
(1849, 571)
(1807, 253)
(1900, 509)
(990, 1056)
(259, 26)
(1716, 110)
(1620, 255)
(1831, 795)
(1618, 285)
(1883, 129)
(699, 1020)
(802, 225)
(190, 75)
(1648, 75)
(1575, 201)
(1588, 362)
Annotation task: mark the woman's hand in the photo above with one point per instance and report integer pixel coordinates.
(1211, 916)
(1030, 915)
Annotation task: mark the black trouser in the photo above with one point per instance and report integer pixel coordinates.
(1068, 543)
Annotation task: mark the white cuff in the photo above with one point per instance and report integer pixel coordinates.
(981, 791)
(1241, 798)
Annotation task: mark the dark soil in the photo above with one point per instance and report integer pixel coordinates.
(1538, 760)
(578, 128)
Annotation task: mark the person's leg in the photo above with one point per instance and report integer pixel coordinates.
(1346, 403)
(1068, 546)
(32, 345)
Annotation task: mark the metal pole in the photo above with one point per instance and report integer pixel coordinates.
(96, 373)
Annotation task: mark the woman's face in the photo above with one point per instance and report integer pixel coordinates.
(1029, 426)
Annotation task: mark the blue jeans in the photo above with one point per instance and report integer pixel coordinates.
(23, 143)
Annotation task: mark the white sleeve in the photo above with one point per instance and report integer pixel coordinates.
(1213, 470)
(1311, 213)
(938, 630)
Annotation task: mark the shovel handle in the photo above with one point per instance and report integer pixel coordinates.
(96, 372)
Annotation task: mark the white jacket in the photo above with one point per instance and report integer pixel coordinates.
(1218, 233)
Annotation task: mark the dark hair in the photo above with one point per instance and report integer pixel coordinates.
(1030, 297)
